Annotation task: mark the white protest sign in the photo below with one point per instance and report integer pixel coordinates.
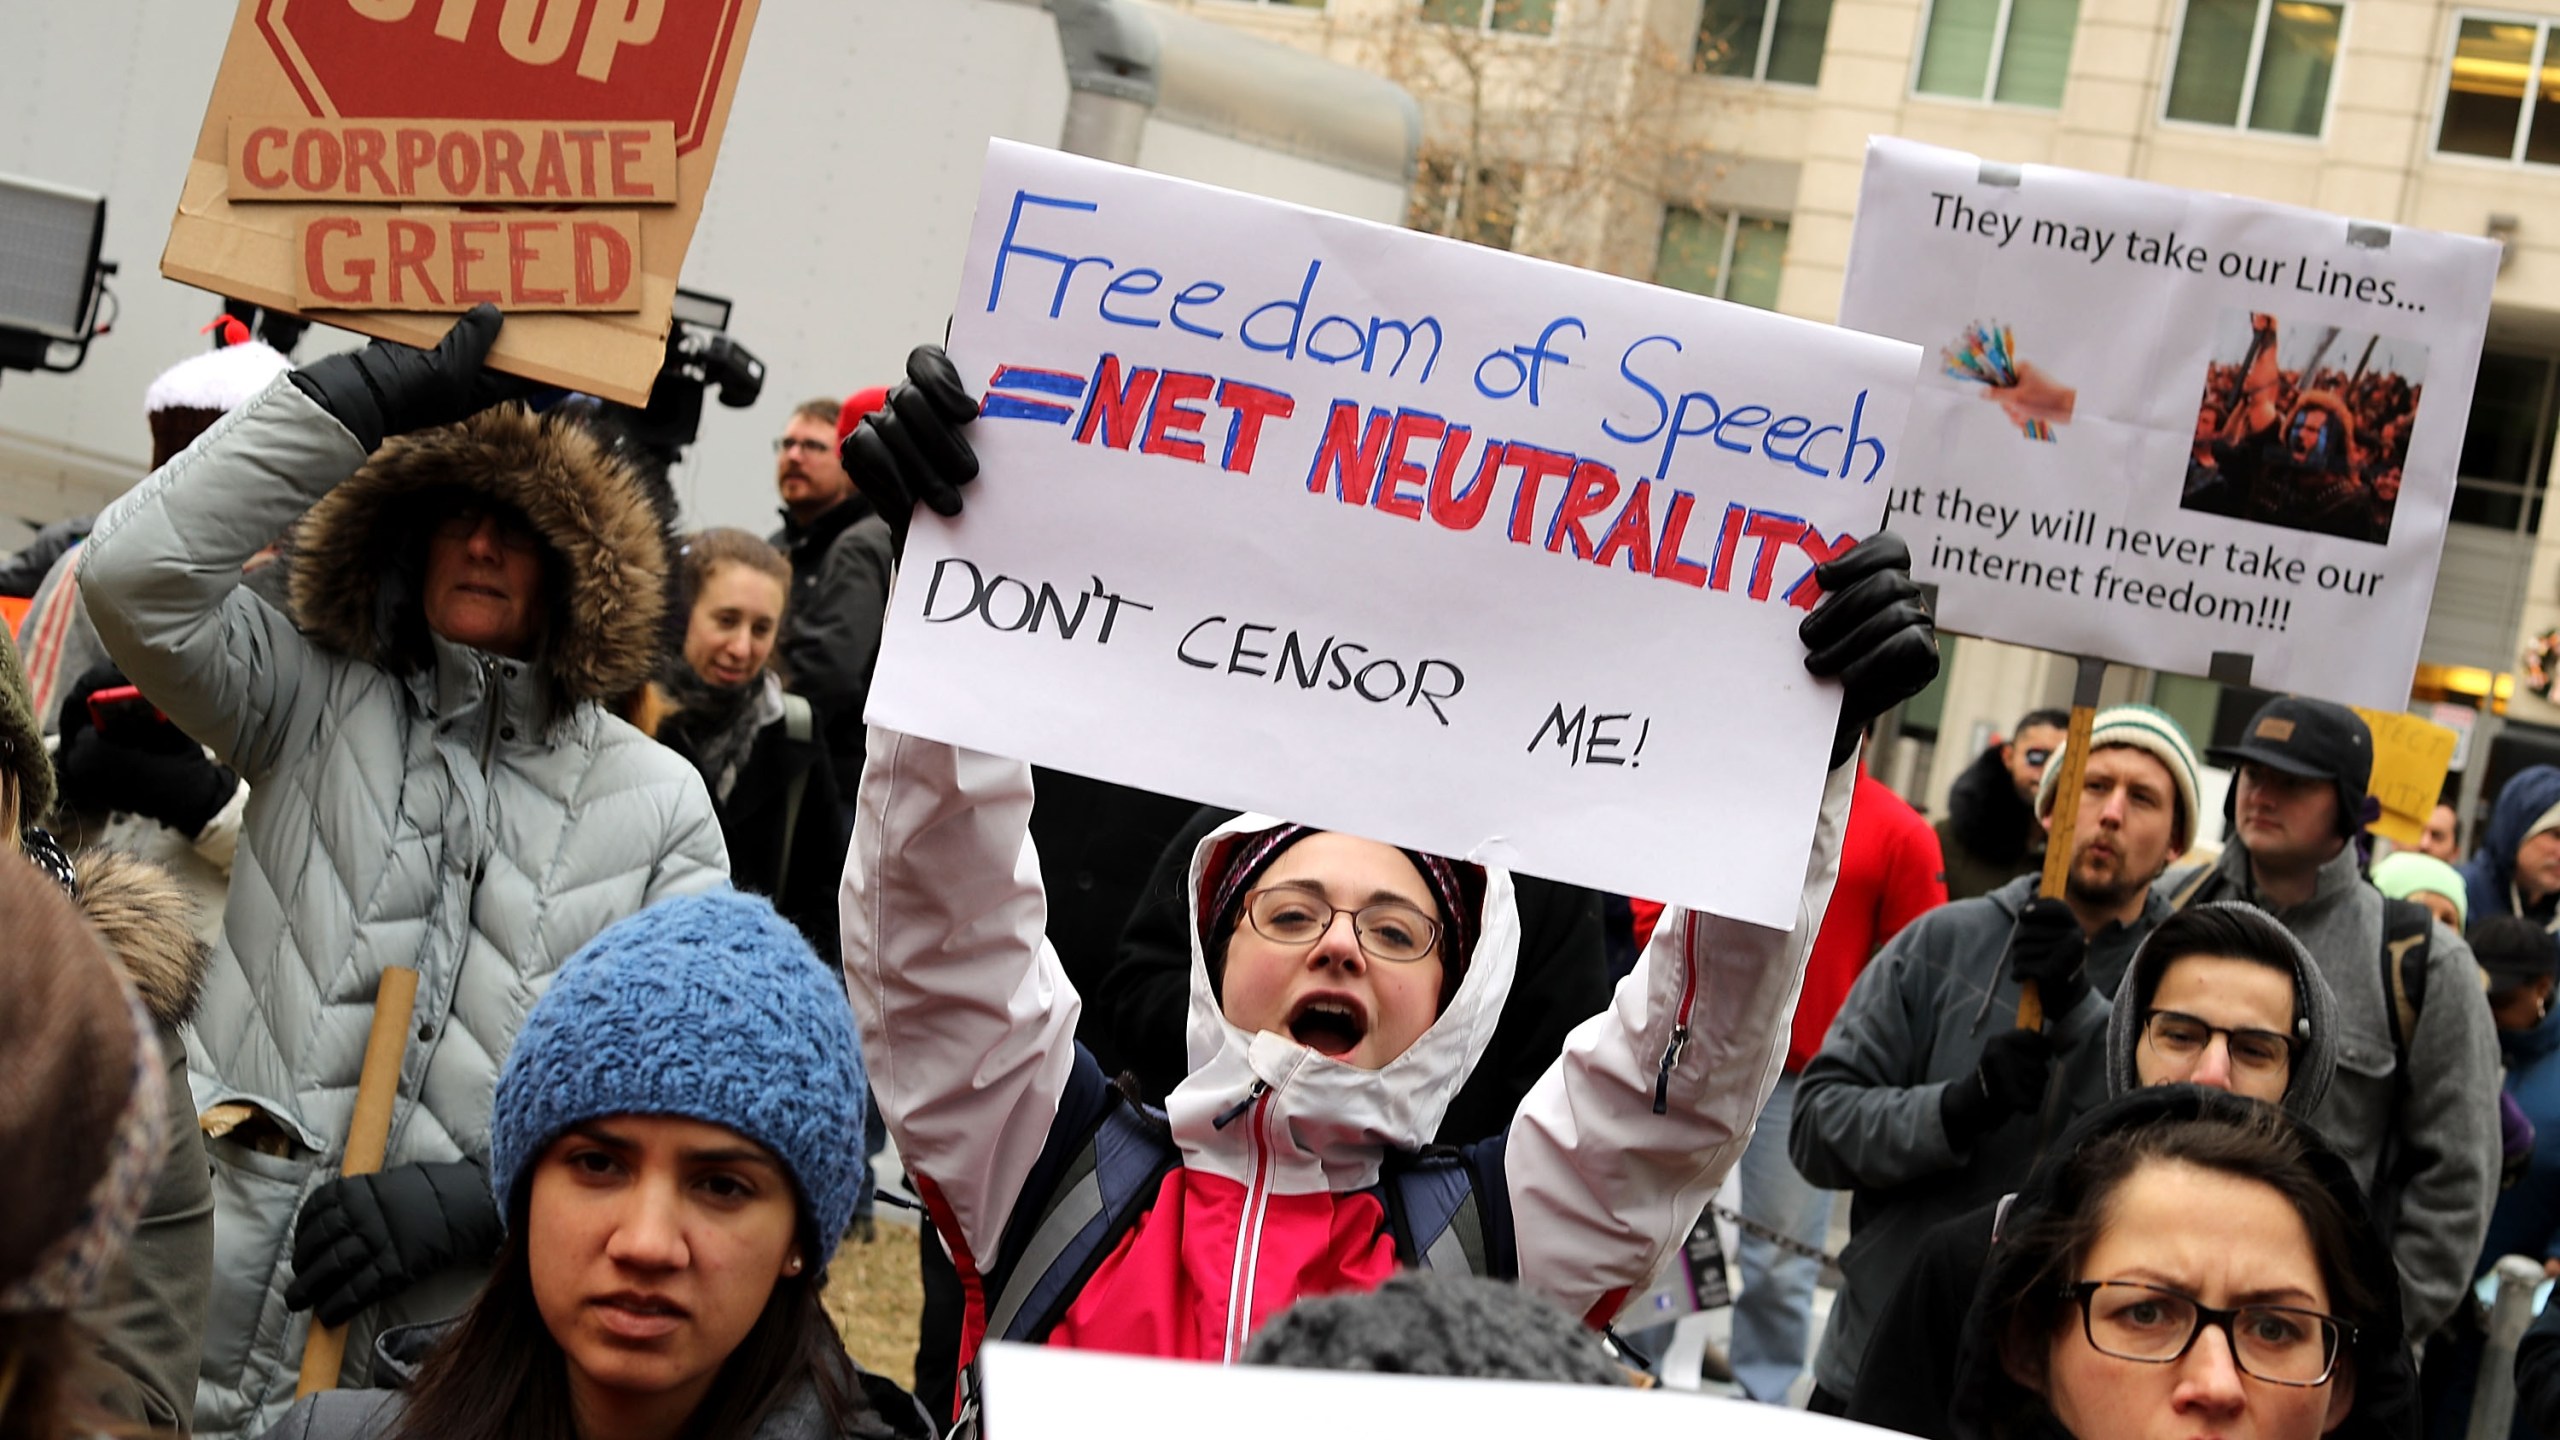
(1392, 535)
(1034, 1391)
(2167, 428)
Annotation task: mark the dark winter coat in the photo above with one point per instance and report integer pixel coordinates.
(1870, 1116)
(1984, 837)
(1992, 1405)
(2490, 873)
(840, 564)
(798, 872)
(889, 1413)
(1563, 980)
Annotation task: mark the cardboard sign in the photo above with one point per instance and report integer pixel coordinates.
(2411, 756)
(399, 161)
(2172, 429)
(454, 259)
(1391, 534)
(579, 100)
(1034, 1391)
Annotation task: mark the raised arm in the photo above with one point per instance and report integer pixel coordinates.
(968, 1022)
(1621, 1143)
(161, 574)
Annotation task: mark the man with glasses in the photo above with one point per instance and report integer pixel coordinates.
(840, 556)
(2220, 996)
(1992, 833)
(1926, 1099)
(2415, 1109)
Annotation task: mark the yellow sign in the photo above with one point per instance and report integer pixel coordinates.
(2410, 758)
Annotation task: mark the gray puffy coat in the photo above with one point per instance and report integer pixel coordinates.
(413, 802)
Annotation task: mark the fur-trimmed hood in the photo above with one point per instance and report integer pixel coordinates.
(147, 921)
(359, 553)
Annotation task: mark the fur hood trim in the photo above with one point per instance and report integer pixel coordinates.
(148, 922)
(358, 553)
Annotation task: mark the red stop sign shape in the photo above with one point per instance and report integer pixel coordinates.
(559, 60)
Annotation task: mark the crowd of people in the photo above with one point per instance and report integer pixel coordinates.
(2321, 451)
(395, 663)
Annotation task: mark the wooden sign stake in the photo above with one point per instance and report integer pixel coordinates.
(2066, 812)
(324, 1348)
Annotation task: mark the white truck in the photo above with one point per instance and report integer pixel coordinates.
(836, 218)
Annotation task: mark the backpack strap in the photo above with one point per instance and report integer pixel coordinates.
(800, 723)
(1099, 1199)
(2406, 927)
(1436, 1215)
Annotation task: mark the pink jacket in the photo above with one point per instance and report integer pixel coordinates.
(968, 1027)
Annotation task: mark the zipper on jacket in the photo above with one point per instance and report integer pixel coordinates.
(1672, 1052)
(1229, 1115)
(1257, 1200)
(491, 699)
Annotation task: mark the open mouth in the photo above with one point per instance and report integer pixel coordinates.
(1330, 1025)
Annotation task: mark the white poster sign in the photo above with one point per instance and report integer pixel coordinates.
(2167, 428)
(1391, 534)
(1033, 1392)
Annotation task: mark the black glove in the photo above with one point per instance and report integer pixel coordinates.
(2009, 1081)
(363, 1239)
(911, 449)
(1872, 631)
(388, 388)
(2048, 946)
(144, 765)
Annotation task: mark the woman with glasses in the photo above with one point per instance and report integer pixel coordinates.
(1341, 991)
(436, 783)
(2190, 1264)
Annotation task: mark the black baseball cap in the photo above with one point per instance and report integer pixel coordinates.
(2315, 739)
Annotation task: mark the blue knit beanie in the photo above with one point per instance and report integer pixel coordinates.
(711, 1007)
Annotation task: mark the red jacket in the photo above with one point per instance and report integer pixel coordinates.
(1891, 873)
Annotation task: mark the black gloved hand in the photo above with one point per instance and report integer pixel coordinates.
(911, 449)
(2048, 946)
(1872, 631)
(388, 388)
(2010, 1080)
(145, 766)
(363, 1239)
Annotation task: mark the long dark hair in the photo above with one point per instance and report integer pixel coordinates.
(498, 1375)
(2021, 1304)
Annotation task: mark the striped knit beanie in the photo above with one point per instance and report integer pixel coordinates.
(711, 1007)
(2147, 730)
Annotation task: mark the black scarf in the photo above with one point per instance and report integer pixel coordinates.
(714, 726)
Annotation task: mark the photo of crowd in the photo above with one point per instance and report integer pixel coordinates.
(2304, 426)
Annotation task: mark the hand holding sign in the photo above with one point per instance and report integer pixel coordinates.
(911, 448)
(388, 388)
(1872, 632)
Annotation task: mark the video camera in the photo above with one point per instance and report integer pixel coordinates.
(701, 355)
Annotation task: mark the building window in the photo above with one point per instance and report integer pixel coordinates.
(1485, 210)
(1715, 252)
(2256, 64)
(1777, 40)
(1522, 17)
(2497, 64)
(2507, 447)
(2011, 51)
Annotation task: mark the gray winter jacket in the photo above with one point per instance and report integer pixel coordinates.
(2432, 1198)
(1867, 1106)
(412, 803)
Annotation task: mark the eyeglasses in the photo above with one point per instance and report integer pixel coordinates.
(1388, 930)
(2037, 755)
(511, 530)
(2182, 1036)
(789, 443)
(2280, 1344)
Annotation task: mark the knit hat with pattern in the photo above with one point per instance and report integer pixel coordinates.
(2153, 732)
(710, 1007)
